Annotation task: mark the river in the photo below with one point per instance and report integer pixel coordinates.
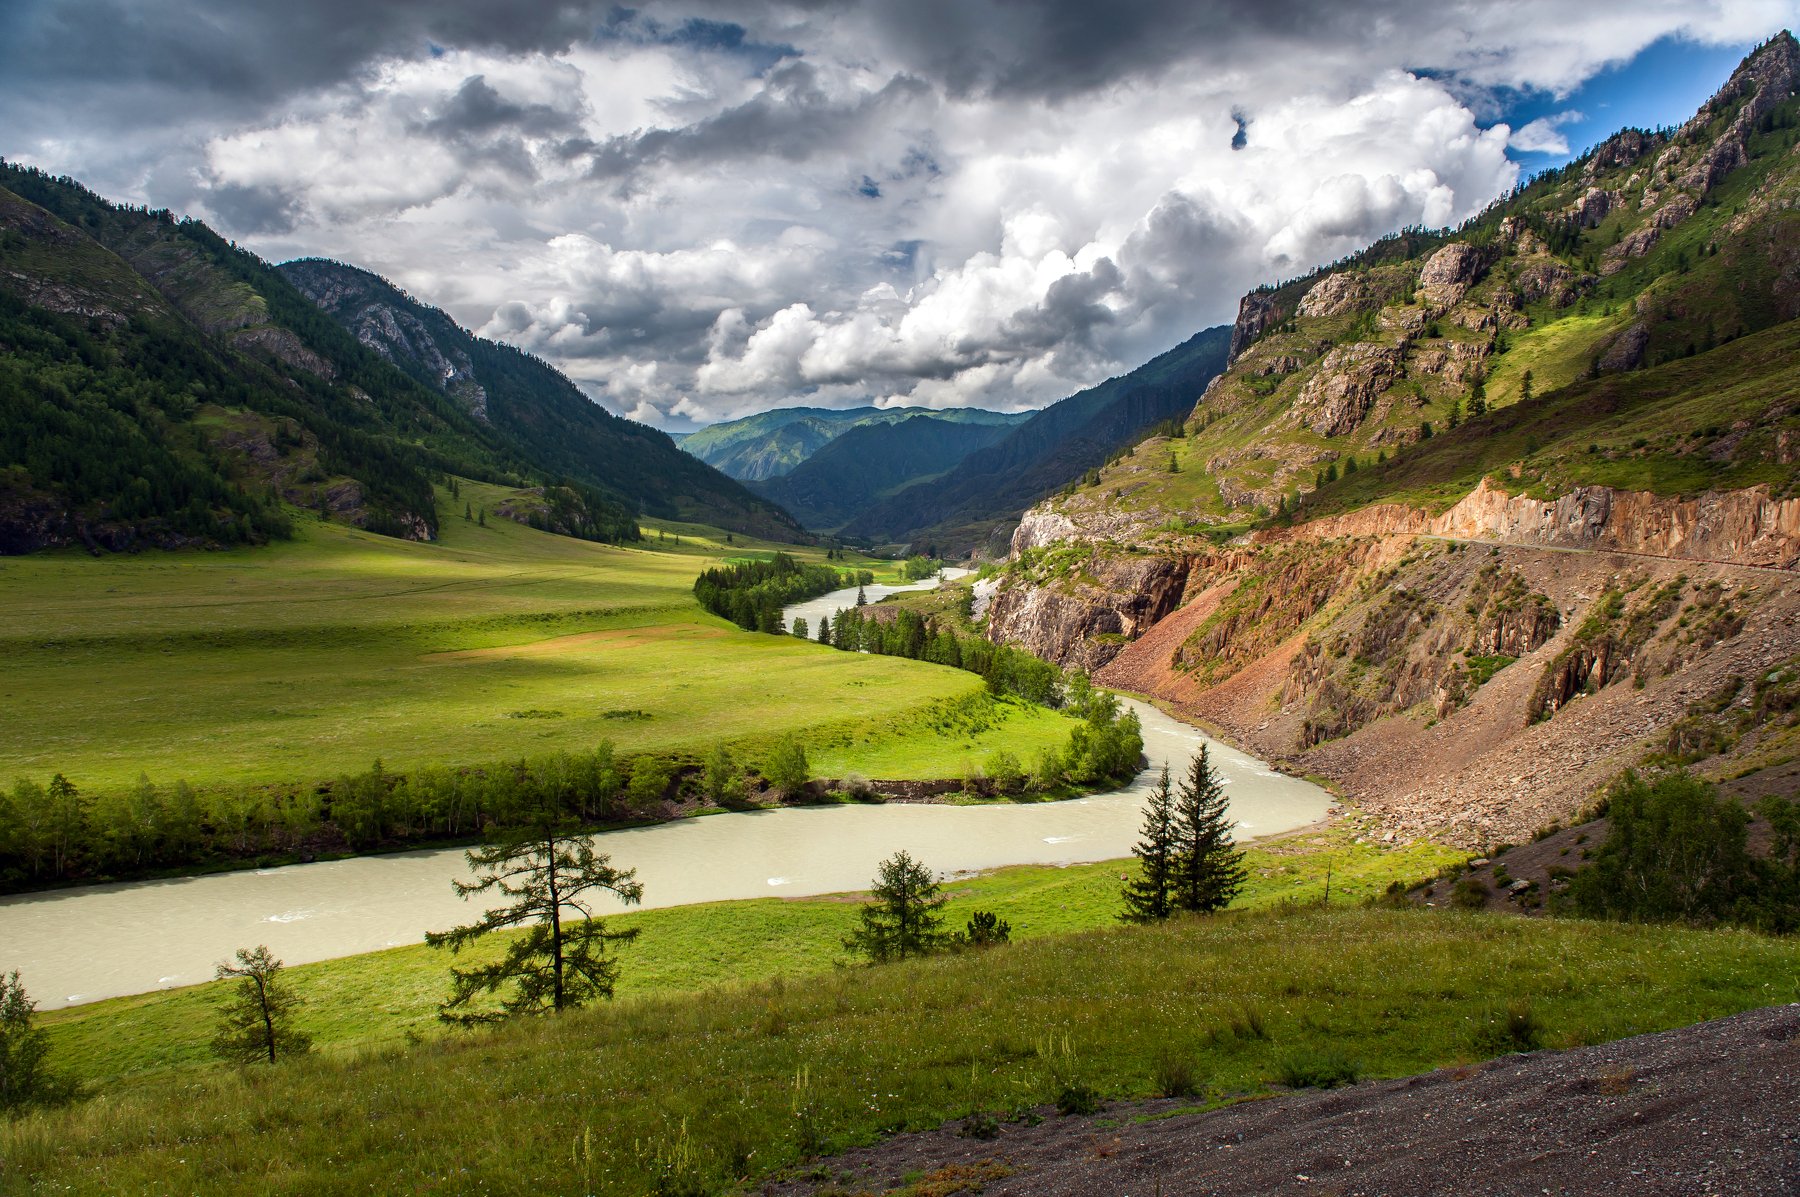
(80, 945)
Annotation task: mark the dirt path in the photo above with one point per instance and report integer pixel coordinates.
(1707, 1109)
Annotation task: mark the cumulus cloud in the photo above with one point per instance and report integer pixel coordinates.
(1541, 136)
(699, 209)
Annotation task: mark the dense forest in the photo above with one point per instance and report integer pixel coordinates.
(168, 388)
(751, 594)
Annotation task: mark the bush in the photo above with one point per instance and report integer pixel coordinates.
(1676, 852)
(986, 929)
(1317, 1068)
(25, 1077)
(1512, 1029)
(1174, 1074)
(649, 782)
(787, 768)
(1469, 893)
(1077, 1098)
(1004, 772)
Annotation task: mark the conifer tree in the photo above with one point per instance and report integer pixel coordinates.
(1209, 872)
(904, 916)
(559, 961)
(1147, 896)
(256, 1021)
(25, 1079)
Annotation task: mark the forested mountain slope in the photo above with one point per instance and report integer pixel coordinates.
(163, 387)
(869, 461)
(1479, 517)
(530, 405)
(990, 487)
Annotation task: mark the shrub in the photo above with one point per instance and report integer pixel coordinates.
(25, 1079)
(1675, 852)
(649, 782)
(1174, 1074)
(1004, 771)
(1317, 1068)
(1077, 1098)
(1470, 893)
(1515, 1028)
(986, 929)
(787, 768)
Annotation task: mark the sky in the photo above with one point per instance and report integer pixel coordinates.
(700, 210)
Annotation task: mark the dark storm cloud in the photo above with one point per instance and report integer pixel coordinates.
(255, 51)
(252, 53)
(791, 119)
(477, 109)
(254, 210)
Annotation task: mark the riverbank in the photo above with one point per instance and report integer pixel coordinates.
(722, 1089)
(387, 998)
(156, 935)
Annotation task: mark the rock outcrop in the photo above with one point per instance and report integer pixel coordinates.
(1350, 379)
(1085, 622)
(1256, 312)
(1740, 527)
(1447, 275)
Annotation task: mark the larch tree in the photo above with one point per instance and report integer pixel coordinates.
(257, 1020)
(1147, 896)
(1208, 870)
(548, 873)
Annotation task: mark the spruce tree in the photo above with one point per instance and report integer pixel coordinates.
(559, 960)
(256, 1022)
(1147, 895)
(1208, 871)
(904, 916)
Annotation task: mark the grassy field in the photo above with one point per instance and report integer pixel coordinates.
(701, 1092)
(310, 658)
(381, 998)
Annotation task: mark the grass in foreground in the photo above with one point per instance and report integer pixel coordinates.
(381, 999)
(701, 1092)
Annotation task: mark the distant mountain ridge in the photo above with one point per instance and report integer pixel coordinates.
(866, 463)
(771, 443)
(991, 487)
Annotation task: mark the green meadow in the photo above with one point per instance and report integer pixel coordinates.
(305, 659)
(713, 1091)
(380, 999)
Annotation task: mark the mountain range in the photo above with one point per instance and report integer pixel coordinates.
(772, 443)
(167, 388)
(1479, 518)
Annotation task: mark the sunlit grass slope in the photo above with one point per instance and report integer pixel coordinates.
(306, 659)
(380, 998)
(698, 1093)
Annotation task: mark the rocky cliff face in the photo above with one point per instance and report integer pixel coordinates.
(1743, 527)
(1469, 694)
(1085, 612)
(395, 333)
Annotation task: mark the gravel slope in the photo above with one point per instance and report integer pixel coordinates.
(1707, 1109)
